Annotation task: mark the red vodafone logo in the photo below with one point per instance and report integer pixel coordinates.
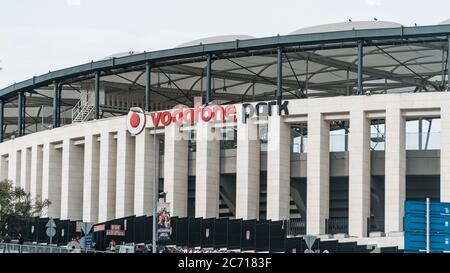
(136, 121)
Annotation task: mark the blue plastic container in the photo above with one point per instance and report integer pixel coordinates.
(417, 223)
(419, 207)
(416, 242)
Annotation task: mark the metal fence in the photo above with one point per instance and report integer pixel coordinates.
(216, 233)
(211, 233)
(35, 248)
(375, 225)
(296, 226)
(336, 225)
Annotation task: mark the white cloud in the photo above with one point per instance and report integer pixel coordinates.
(71, 3)
(373, 2)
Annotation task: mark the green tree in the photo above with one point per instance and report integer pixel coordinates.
(17, 207)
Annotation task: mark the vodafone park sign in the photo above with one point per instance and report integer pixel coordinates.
(136, 119)
(194, 115)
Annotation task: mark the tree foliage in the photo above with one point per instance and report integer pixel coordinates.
(17, 207)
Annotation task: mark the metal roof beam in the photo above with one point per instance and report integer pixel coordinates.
(249, 78)
(238, 45)
(354, 68)
(172, 94)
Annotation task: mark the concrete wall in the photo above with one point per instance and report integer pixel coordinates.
(94, 170)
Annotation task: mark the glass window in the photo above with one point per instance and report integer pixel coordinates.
(423, 134)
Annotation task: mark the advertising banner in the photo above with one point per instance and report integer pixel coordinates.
(115, 231)
(164, 224)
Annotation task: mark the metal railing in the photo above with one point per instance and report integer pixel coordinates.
(296, 226)
(81, 111)
(375, 225)
(336, 225)
(123, 102)
(76, 110)
(36, 248)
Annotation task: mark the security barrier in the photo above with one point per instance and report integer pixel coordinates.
(188, 232)
(35, 248)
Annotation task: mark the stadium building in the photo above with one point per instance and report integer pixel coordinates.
(332, 127)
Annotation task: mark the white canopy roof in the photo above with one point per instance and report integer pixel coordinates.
(409, 66)
(216, 39)
(345, 26)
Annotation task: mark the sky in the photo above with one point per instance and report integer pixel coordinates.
(46, 35)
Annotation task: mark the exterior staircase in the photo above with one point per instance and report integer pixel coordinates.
(294, 211)
(83, 110)
(224, 210)
(84, 114)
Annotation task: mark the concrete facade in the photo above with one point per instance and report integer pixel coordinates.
(91, 178)
(125, 174)
(51, 177)
(96, 171)
(72, 180)
(176, 169)
(207, 171)
(395, 170)
(359, 173)
(25, 172)
(317, 207)
(107, 177)
(145, 166)
(36, 171)
(445, 156)
(278, 168)
(248, 174)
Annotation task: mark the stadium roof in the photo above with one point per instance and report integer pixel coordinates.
(343, 26)
(216, 39)
(317, 61)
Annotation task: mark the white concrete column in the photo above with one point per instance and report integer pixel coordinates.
(278, 168)
(318, 174)
(176, 169)
(14, 167)
(247, 170)
(395, 170)
(25, 169)
(51, 179)
(91, 178)
(36, 171)
(4, 167)
(359, 174)
(72, 181)
(125, 174)
(445, 153)
(207, 171)
(107, 177)
(144, 172)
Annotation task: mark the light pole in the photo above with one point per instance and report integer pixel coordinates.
(155, 193)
